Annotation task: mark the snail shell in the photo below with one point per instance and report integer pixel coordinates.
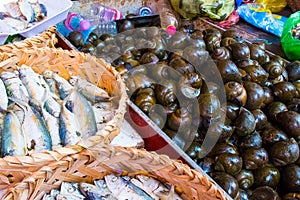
(180, 117)
(221, 53)
(284, 91)
(255, 95)
(228, 71)
(256, 73)
(273, 68)
(165, 93)
(236, 93)
(145, 99)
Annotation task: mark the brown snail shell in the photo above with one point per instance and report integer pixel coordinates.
(245, 179)
(258, 52)
(232, 110)
(246, 62)
(274, 108)
(223, 147)
(260, 118)
(212, 38)
(178, 41)
(255, 158)
(256, 73)
(227, 41)
(291, 196)
(264, 192)
(197, 34)
(239, 51)
(279, 59)
(190, 85)
(236, 93)
(272, 135)
(221, 53)
(181, 117)
(273, 68)
(289, 121)
(232, 34)
(255, 95)
(228, 71)
(137, 81)
(149, 58)
(209, 105)
(293, 71)
(252, 140)
(269, 96)
(145, 99)
(229, 163)
(294, 105)
(227, 182)
(165, 93)
(284, 91)
(245, 122)
(181, 65)
(284, 152)
(194, 55)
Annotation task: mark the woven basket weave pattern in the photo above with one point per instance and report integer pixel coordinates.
(73, 165)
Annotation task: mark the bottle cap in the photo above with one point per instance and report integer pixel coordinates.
(144, 11)
(171, 29)
(85, 25)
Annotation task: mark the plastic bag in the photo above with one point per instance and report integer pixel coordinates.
(273, 5)
(258, 16)
(214, 9)
(290, 44)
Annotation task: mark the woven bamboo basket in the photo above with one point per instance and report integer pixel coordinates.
(72, 164)
(45, 39)
(67, 63)
(294, 5)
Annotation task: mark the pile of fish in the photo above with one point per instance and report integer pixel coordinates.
(18, 15)
(114, 187)
(43, 112)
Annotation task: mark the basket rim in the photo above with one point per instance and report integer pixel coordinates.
(189, 181)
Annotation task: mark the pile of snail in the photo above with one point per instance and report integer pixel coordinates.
(257, 154)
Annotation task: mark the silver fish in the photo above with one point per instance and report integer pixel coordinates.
(63, 86)
(38, 138)
(13, 138)
(4, 98)
(15, 23)
(154, 188)
(52, 124)
(14, 86)
(52, 195)
(103, 190)
(121, 189)
(88, 90)
(69, 128)
(104, 112)
(90, 191)
(53, 106)
(71, 190)
(27, 10)
(13, 9)
(36, 86)
(68, 197)
(83, 111)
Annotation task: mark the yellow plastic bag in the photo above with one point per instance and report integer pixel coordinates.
(273, 5)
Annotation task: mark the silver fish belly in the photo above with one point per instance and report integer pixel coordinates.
(69, 128)
(88, 90)
(36, 86)
(154, 188)
(83, 111)
(63, 86)
(13, 139)
(71, 190)
(14, 86)
(121, 189)
(103, 190)
(38, 138)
